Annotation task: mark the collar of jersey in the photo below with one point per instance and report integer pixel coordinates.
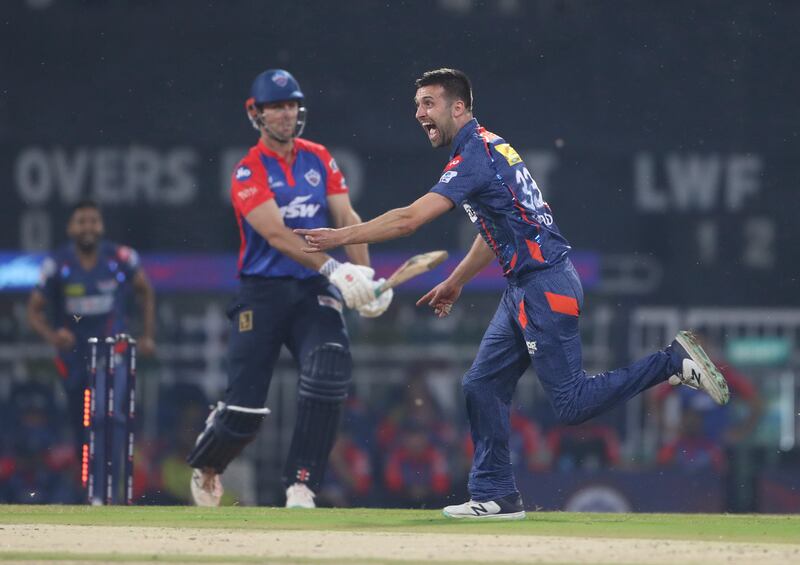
(270, 153)
(463, 134)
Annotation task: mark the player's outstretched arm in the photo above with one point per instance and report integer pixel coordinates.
(442, 297)
(399, 222)
(343, 215)
(476, 260)
(266, 219)
(355, 282)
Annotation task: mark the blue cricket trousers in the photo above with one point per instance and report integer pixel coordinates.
(303, 314)
(537, 321)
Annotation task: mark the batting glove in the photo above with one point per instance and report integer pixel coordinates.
(351, 280)
(379, 305)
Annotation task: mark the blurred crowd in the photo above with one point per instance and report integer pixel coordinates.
(404, 449)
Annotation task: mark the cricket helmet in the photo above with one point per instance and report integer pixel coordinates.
(275, 85)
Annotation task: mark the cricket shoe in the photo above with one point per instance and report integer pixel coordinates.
(300, 496)
(206, 487)
(697, 370)
(506, 508)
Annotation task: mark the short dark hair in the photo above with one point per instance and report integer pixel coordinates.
(455, 83)
(84, 204)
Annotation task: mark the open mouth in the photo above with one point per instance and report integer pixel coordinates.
(431, 129)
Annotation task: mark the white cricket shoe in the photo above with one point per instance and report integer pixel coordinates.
(300, 496)
(206, 487)
(698, 371)
(506, 508)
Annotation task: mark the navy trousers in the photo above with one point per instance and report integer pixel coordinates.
(270, 313)
(537, 322)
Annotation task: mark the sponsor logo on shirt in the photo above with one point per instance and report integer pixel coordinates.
(247, 192)
(509, 153)
(313, 177)
(243, 173)
(332, 164)
(453, 163)
(473, 217)
(298, 208)
(448, 176)
(92, 305)
(74, 289)
(275, 183)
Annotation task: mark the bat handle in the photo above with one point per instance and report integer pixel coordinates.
(381, 288)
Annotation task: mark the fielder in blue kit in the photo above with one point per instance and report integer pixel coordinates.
(286, 297)
(537, 319)
(83, 292)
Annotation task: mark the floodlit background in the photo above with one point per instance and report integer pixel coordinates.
(663, 135)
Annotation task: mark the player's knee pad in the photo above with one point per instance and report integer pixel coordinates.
(325, 373)
(228, 431)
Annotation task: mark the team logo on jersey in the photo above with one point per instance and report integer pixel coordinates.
(245, 320)
(509, 153)
(313, 177)
(280, 78)
(448, 176)
(74, 289)
(473, 217)
(247, 192)
(454, 163)
(243, 173)
(298, 208)
(332, 164)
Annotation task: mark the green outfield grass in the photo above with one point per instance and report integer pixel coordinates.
(708, 527)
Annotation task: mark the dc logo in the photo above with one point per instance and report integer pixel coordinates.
(243, 173)
(313, 177)
(281, 79)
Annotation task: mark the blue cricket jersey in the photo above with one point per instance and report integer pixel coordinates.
(89, 303)
(488, 178)
(301, 192)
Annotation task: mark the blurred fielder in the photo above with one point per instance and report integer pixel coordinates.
(82, 293)
(286, 297)
(537, 320)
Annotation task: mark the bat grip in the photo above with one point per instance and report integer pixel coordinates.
(381, 288)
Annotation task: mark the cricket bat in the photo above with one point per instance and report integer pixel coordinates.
(417, 265)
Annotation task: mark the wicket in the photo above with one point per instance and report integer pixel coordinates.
(125, 345)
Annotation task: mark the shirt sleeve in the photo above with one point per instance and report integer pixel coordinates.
(463, 176)
(249, 187)
(336, 183)
(128, 259)
(49, 280)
